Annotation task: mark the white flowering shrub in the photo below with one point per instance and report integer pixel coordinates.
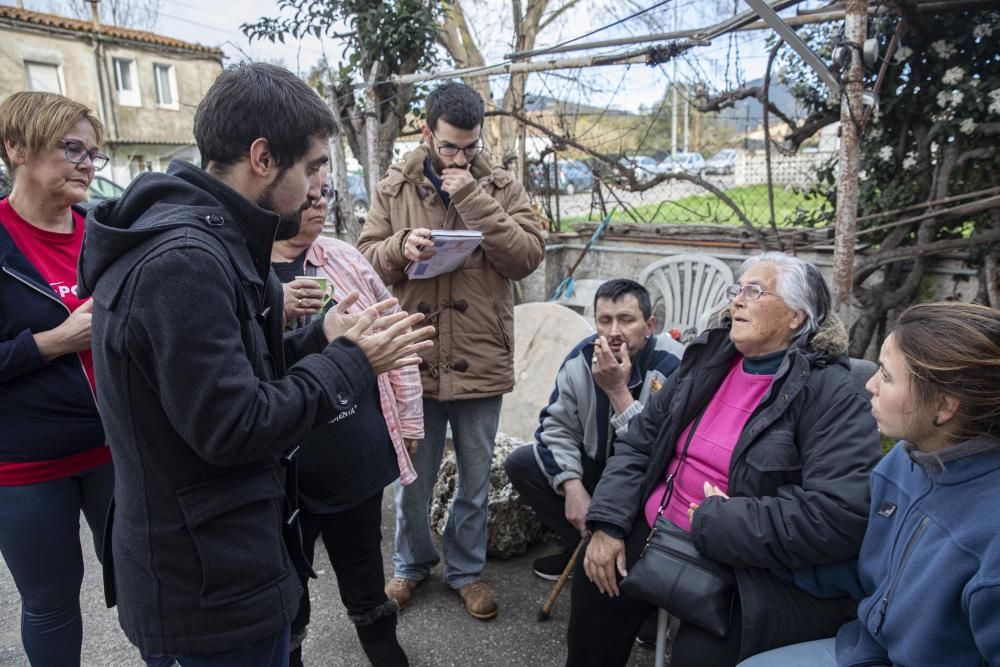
(937, 134)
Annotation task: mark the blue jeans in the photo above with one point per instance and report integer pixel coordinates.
(474, 429)
(40, 542)
(819, 653)
(268, 652)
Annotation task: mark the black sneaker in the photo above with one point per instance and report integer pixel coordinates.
(551, 567)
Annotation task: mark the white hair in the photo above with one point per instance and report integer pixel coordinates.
(800, 284)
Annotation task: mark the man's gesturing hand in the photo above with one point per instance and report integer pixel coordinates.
(577, 504)
(338, 321)
(605, 554)
(392, 345)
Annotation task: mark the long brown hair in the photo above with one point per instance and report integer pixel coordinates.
(954, 348)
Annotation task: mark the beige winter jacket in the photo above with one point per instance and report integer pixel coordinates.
(472, 307)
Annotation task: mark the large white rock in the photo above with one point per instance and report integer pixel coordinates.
(544, 333)
(512, 526)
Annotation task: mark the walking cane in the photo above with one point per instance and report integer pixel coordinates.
(543, 613)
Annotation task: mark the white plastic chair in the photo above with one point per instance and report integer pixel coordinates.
(688, 288)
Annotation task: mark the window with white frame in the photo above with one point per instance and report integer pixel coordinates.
(43, 77)
(166, 86)
(126, 82)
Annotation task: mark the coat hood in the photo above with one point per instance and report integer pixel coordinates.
(183, 197)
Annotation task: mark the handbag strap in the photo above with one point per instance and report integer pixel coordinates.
(668, 491)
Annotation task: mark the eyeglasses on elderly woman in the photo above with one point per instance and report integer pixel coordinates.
(76, 152)
(750, 292)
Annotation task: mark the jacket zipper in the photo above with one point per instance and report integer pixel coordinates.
(68, 312)
(887, 598)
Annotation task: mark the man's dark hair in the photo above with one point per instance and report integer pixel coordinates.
(253, 100)
(455, 103)
(618, 288)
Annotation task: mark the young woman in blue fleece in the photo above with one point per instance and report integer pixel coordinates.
(929, 567)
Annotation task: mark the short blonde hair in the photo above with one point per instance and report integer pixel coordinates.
(35, 120)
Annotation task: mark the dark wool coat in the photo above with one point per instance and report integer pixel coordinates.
(798, 478)
(200, 410)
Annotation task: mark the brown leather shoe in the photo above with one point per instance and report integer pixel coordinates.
(479, 600)
(400, 590)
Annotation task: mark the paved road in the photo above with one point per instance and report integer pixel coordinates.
(434, 629)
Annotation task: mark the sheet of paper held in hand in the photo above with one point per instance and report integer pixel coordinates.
(451, 247)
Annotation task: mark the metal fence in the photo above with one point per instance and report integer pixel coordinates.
(590, 193)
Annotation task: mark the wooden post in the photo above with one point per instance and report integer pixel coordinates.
(371, 130)
(855, 27)
(345, 200)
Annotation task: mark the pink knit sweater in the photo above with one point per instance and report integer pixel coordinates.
(711, 447)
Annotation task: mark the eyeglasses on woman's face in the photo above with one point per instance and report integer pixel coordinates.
(750, 292)
(76, 153)
(450, 150)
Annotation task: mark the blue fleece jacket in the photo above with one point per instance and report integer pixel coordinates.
(930, 561)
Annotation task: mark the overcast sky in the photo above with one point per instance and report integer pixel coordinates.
(725, 61)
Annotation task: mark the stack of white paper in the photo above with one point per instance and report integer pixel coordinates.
(451, 247)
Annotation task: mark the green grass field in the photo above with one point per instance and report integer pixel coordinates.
(708, 209)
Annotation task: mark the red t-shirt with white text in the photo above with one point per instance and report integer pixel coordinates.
(54, 255)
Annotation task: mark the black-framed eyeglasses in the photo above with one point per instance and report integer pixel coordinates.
(750, 292)
(448, 150)
(75, 152)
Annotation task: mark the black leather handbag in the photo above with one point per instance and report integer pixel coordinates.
(672, 574)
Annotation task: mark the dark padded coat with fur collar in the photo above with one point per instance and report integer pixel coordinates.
(798, 478)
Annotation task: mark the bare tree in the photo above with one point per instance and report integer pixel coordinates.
(138, 14)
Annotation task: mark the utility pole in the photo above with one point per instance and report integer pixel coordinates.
(855, 28)
(687, 117)
(673, 102)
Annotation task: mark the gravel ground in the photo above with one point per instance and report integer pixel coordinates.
(434, 629)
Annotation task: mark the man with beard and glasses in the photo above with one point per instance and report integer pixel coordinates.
(447, 183)
(605, 380)
(201, 413)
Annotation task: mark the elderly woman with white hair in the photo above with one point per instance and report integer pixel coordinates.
(760, 447)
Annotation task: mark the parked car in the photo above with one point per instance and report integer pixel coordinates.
(574, 176)
(723, 162)
(100, 190)
(643, 166)
(682, 163)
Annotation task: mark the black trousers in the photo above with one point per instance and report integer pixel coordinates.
(353, 540)
(602, 629)
(550, 507)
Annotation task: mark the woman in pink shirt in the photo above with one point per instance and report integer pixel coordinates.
(345, 465)
(779, 441)
(53, 459)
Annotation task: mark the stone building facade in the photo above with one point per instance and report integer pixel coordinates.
(143, 86)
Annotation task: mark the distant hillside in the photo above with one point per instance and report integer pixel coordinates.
(746, 115)
(540, 103)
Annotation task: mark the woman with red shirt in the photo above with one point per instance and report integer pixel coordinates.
(53, 458)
